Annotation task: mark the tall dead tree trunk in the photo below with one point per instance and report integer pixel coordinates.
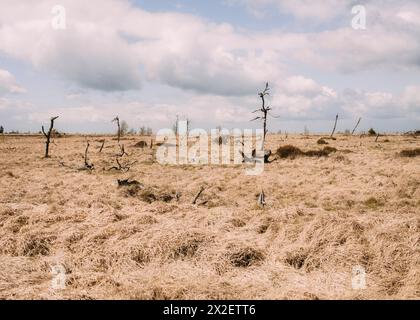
(48, 136)
(264, 110)
(335, 126)
(117, 120)
(264, 115)
(357, 124)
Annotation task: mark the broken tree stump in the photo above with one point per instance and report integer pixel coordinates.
(261, 199)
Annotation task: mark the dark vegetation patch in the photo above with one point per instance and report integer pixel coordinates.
(296, 259)
(141, 144)
(36, 246)
(140, 256)
(128, 182)
(292, 152)
(187, 246)
(245, 257)
(289, 151)
(322, 141)
(146, 194)
(410, 153)
(373, 203)
(320, 153)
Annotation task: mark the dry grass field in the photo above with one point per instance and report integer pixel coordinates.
(324, 216)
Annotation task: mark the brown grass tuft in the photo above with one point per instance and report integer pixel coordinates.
(33, 246)
(186, 245)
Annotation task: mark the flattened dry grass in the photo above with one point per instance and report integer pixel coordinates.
(137, 241)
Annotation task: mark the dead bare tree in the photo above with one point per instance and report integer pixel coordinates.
(357, 124)
(265, 111)
(48, 136)
(117, 120)
(335, 126)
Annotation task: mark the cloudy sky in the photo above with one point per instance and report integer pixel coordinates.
(150, 60)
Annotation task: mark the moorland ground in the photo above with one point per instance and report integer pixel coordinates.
(324, 216)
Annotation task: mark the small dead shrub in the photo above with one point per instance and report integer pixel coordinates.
(238, 223)
(141, 144)
(340, 158)
(148, 196)
(36, 246)
(133, 191)
(373, 203)
(140, 256)
(292, 152)
(320, 153)
(151, 195)
(296, 259)
(321, 141)
(289, 151)
(410, 153)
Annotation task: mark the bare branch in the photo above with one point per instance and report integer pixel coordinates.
(357, 124)
(335, 126)
(102, 146)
